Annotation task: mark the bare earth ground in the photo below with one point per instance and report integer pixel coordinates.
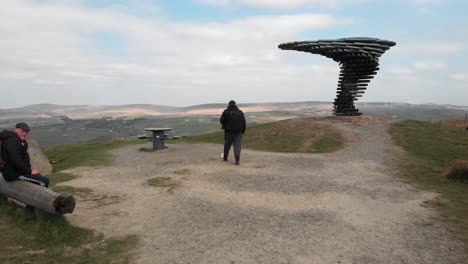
(344, 207)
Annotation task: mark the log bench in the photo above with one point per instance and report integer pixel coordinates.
(46, 203)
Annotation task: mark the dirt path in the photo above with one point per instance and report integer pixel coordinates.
(274, 208)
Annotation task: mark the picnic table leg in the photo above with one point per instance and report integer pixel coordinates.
(158, 140)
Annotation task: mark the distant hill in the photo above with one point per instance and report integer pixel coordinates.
(405, 111)
(59, 124)
(40, 111)
(41, 114)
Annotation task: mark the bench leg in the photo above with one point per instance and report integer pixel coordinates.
(158, 140)
(45, 216)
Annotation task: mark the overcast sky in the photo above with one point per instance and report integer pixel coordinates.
(191, 52)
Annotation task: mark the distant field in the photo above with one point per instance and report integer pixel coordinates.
(105, 129)
(58, 124)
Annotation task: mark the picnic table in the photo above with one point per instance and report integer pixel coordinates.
(158, 136)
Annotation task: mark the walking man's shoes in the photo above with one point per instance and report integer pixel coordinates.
(237, 162)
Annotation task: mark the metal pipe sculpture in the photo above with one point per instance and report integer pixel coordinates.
(359, 62)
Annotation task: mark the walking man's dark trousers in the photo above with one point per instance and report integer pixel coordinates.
(232, 138)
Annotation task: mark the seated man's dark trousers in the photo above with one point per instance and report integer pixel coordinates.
(36, 179)
(232, 138)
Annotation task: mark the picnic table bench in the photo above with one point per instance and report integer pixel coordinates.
(158, 136)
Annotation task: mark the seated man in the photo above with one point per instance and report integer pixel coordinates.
(15, 153)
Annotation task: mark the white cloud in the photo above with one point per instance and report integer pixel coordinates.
(460, 76)
(280, 4)
(52, 56)
(400, 70)
(214, 2)
(138, 7)
(423, 11)
(429, 66)
(425, 2)
(429, 48)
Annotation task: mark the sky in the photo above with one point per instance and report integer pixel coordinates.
(189, 52)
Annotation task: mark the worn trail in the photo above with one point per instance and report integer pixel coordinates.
(344, 207)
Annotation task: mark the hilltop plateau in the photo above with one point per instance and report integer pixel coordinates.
(343, 206)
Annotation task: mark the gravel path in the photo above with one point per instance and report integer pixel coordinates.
(343, 207)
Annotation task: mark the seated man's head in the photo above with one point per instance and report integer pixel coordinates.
(22, 130)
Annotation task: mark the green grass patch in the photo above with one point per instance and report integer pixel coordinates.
(182, 171)
(458, 171)
(290, 136)
(59, 177)
(73, 155)
(87, 154)
(164, 182)
(25, 240)
(329, 143)
(431, 152)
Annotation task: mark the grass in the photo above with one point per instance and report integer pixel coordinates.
(458, 171)
(59, 177)
(182, 171)
(164, 182)
(290, 136)
(88, 154)
(431, 153)
(458, 122)
(25, 240)
(146, 149)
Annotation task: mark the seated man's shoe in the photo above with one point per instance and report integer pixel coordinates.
(237, 162)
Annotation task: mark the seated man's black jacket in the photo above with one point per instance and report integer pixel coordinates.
(15, 154)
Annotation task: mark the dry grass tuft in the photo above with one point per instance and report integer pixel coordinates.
(458, 171)
(182, 171)
(164, 182)
(146, 149)
(458, 122)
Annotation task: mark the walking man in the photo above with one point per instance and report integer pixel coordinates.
(14, 150)
(233, 122)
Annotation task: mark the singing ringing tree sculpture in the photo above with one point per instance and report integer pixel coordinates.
(359, 62)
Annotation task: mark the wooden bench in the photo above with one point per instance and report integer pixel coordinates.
(46, 203)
